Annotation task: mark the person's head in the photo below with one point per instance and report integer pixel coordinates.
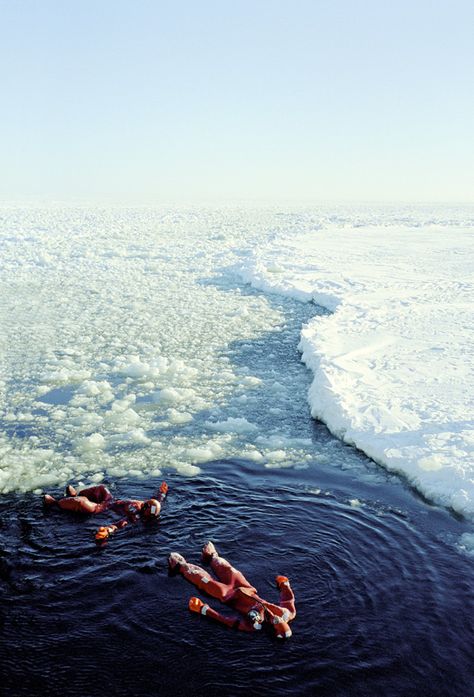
(257, 616)
(260, 614)
(151, 509)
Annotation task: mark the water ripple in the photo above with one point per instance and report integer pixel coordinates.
(383, 605)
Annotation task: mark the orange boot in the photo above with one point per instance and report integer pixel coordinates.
(49, 500)
(281, 580)
(174, 562)
(208, 551)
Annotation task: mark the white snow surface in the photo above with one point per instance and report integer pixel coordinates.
(393, 363)
(129, 343)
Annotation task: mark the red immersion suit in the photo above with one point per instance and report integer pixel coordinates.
(233, 589)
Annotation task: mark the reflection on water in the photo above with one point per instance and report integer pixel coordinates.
(383, 597)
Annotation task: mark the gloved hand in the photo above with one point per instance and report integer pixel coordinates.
(164, 488)
(196, 605)
(103, 533)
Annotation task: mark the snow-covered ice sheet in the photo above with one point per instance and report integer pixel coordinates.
(393, 363)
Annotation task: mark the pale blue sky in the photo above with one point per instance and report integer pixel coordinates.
(225, 100)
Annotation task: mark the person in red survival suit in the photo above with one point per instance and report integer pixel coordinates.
(234, 590)
(97, 499)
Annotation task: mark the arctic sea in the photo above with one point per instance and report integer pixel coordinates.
(302, 377)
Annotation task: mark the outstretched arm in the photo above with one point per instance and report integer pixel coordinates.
(105, 531)
(196, 605)
(286, 610)
(287, 597)
(163, 491)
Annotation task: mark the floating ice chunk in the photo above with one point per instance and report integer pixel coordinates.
(96, 441)
(25, 467)
(174, 395)
(118, 471)
(204, 454)
(251, 381)
(277, 387)
(461, 500)
(135, 437)
(178, 417)
(466, 543)
(146, 386)
(122, 405)
(24, 416)
(199, 454)
(279, 441)
(121, 420)
(91, 388)
(232, 425)
(135, 369)
(48, 479)
(159, 368)
(355, 503)
(187, 469)
(87, 420)
(253, 455)
(276, 456)
(179, 370)
(63, 376)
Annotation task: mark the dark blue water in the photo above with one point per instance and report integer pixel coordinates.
(384, 599)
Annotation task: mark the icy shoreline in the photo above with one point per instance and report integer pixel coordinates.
(393, 365)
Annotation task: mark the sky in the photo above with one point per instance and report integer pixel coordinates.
(226, 100)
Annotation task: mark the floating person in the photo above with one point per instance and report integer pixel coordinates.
(234, 590)
(97, 499)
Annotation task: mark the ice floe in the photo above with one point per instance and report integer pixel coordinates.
(393, 363)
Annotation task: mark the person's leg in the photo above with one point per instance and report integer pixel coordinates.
(95, 499)
(199, 577)
(97, 494)
(79, 504)
(224, 571)
(228, 574)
